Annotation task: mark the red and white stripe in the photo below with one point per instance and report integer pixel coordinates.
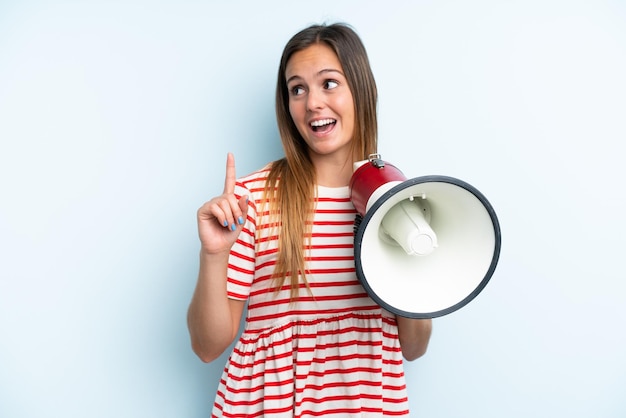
(331, 352)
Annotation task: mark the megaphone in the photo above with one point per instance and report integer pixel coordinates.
(423, 247)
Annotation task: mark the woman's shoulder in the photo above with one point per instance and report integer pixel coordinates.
(255, 181)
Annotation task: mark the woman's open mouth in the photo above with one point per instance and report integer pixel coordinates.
(323, 125)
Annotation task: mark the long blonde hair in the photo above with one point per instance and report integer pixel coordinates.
(290, 187)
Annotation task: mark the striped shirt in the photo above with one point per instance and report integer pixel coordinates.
(331, 352)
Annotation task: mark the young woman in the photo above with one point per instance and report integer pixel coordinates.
(282, 239)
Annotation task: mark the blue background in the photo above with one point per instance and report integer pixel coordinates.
(115, 120)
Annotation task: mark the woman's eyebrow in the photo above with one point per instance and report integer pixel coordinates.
(295, 77)
(329, 70)
(321, 72)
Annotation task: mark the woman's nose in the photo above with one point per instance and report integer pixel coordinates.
(315, 100)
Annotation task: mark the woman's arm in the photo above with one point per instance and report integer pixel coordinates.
(213, 319)
(414, 335)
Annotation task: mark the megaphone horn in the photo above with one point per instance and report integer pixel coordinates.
(423, 247)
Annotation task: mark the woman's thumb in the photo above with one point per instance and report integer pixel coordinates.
(243, 205)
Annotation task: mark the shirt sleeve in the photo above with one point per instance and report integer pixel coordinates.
(242, 259)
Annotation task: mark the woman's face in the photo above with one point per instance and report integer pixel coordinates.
(320, 101)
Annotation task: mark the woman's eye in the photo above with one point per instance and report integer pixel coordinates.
(297, 90)
(330, 84)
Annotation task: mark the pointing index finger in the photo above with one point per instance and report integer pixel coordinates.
(229, 183)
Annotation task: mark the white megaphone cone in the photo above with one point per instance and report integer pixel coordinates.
(423, 247)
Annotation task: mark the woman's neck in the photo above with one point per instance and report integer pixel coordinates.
(330, 173)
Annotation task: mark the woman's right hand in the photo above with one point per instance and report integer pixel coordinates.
(221, 219)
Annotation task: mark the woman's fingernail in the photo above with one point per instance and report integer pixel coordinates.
(233, 227)
(240, 220)
(225, 223)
